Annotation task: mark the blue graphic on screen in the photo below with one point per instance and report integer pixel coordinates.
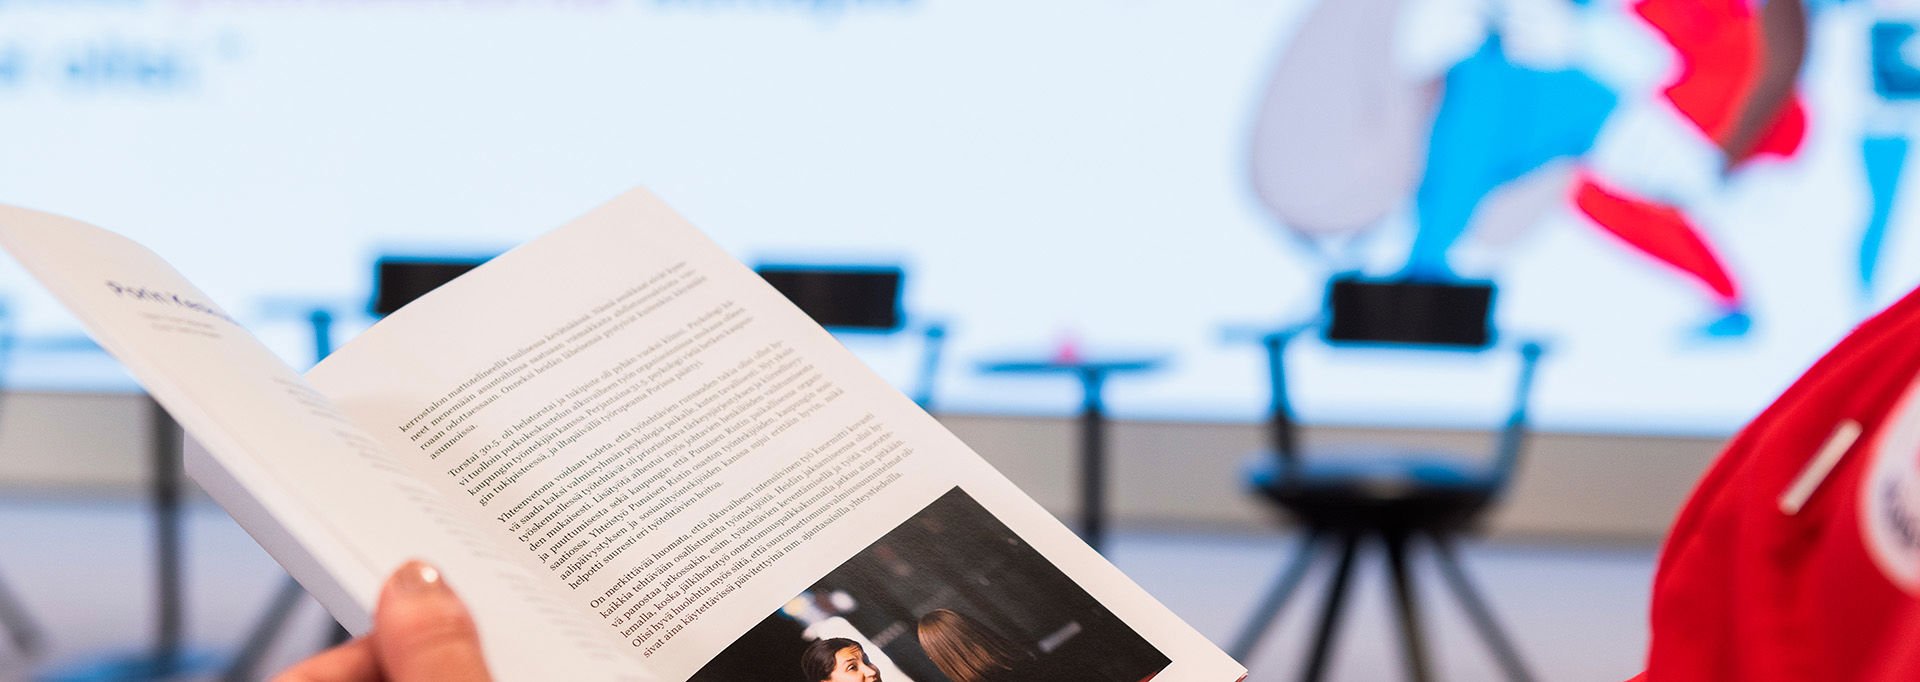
(1498, 121)
(1885, 157)
(1884, 153)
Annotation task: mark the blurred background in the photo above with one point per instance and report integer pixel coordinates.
(1683, 202)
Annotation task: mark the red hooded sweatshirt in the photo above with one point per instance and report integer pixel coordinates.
(1798, 557)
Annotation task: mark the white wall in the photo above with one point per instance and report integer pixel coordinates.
(1164, 474)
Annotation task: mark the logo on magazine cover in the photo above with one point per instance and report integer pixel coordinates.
(1890, 495)
(156, 296)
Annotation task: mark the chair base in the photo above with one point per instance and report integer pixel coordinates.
(143, 667)
(21, 633)
(267, 630)
(1344, 542)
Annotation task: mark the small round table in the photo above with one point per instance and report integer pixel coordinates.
(1093, 447)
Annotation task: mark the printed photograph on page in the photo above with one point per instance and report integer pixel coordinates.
(950, 595)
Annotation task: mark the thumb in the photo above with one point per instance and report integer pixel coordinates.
(421, 631)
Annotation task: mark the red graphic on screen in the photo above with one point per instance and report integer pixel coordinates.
(1722, 87)
(1658, 230)
(1720, 47)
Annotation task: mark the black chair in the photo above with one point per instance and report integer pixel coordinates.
(1390, 494)
(397, 281)
(860, 299)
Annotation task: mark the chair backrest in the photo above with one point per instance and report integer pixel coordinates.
(1399, 312)
(860, 299)
(842, 298)
(1414, 315)
(399, 280)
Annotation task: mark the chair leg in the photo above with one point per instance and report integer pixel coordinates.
(1277, 597)
(265, 631)
(1331, 611)
(1503, 650)
(15, 623)
(1407, 602)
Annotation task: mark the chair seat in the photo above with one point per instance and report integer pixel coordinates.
(1376, 487)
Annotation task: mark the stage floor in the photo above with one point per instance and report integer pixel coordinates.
(1578, 613)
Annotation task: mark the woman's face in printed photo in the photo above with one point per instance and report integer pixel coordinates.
(851, 665)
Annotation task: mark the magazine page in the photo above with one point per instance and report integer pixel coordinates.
(309, 485)
(705, 474)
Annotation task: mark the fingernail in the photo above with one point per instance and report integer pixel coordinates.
(418, 577)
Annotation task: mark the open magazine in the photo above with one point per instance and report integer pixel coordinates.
(633, 458)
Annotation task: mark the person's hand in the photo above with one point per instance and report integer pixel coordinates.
(421, 631)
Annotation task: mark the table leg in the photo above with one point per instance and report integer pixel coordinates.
(1093, 461)
(166, 515)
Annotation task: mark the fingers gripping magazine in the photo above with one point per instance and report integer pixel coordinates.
(634, 459)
